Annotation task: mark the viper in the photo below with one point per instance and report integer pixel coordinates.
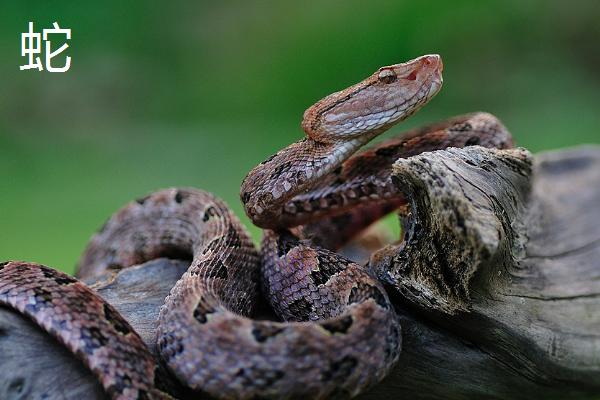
(337, 332)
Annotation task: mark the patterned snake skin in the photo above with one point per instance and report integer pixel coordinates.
(338, 332)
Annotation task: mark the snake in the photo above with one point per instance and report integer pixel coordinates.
(336, 332)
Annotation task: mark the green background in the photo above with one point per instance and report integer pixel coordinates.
(195, 93)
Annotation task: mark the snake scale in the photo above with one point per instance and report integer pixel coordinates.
(338, 333)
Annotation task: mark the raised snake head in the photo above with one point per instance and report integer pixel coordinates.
(371, 106)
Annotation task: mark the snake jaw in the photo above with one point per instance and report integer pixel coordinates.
(371, 106)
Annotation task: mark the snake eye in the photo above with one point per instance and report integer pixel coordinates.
(387, 76)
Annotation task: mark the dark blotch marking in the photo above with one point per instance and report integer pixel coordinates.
(64, 280)
(201, 311)
(142, 200)
(122, 382)
(220, 271)
(259, 377)
(363, 291)
(2, 265)
(212, 246)
(329, 264)
(104, 226)
(58, 277)
(338, 325)
(139, 240)
(280, 169)
(339, 370)
(166, 341)
(301, 309)
(300, 177)
(245, 197)
(115, 319)
(285, 243)
(462, 127)
(42, 295)
(264, 331)
(180, 196)
(209, 213)
(269, 159)
(42, 298)
(474, 140)
(178, 348)
(233, 238)
(93, 338)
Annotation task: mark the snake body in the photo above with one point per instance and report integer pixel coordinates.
(88, 326)
(205, 320)
(338, 332)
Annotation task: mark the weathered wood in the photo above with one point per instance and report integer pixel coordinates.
(500, 285)
(32, 364)
(502, 281)
(139, 292)
(35, 366)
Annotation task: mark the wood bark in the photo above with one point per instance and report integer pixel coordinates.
(497, 283)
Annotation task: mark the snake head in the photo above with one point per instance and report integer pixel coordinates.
(371, 106)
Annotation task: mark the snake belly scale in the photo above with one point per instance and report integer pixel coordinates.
(338, 333)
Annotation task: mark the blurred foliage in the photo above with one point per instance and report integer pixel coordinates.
(196, 93)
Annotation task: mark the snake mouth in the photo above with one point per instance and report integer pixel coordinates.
(434, 66)
(435, 61)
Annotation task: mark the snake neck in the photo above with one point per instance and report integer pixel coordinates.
(336, 126)
(296, 169)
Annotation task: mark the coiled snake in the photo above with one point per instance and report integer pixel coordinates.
(338, 332)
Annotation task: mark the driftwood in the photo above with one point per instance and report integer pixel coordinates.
(499, 292)
(500, 276)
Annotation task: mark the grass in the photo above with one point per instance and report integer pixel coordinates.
(196, 94)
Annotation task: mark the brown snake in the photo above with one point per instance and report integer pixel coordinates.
(339, 333)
